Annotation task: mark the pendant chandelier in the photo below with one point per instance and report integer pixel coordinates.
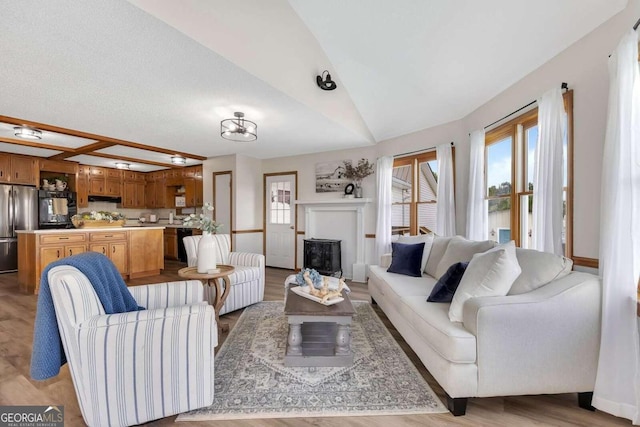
(238, 129)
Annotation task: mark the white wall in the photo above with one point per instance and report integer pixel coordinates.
(584, 67)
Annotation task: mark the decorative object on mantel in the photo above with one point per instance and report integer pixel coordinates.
(98, 219)
(330, 177)
(358, 173)
(207, 244)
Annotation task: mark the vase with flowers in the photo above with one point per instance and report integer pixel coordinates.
(206, 245)
(357, 173)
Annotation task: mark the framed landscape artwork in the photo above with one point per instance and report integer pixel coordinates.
(330, 177)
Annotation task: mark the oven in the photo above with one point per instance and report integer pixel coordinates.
(55, 209)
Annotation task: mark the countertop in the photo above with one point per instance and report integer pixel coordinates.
(138, 225)
(83, 230)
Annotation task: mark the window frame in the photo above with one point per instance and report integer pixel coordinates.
(414, 162)
(519, 187)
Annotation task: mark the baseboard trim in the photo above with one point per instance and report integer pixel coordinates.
(255, 230)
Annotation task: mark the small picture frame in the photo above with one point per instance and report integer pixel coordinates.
(349, 188)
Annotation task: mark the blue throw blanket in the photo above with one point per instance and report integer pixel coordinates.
(48, 354)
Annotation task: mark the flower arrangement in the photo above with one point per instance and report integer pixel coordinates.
(101, 216)
(203, 221)
(359, 172)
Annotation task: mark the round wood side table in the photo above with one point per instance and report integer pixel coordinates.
(213, 279)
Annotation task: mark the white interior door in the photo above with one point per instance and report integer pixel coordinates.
(280, 233)
(222, 201)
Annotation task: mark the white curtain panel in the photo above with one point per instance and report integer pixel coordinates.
(384, 176)
(446, 211)
(617, 389)
(476, 205)
(547, 175)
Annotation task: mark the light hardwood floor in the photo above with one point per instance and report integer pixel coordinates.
(17, 313)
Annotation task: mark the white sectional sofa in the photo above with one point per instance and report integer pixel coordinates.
(541, 338)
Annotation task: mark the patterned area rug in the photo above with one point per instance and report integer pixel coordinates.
(251, 381)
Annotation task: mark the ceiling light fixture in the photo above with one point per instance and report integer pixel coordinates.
(27, 132)
(325, 83)
(178, 160)
(122, 165)
(239, 129)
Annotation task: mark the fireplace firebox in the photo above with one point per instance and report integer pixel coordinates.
(324, 256)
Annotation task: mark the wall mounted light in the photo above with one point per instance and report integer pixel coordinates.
(239, 129)
(324, 81)
(122, 165)
(27, 132)
(178, 160)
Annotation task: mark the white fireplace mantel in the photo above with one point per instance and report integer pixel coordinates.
(340, 212)
(353, 201)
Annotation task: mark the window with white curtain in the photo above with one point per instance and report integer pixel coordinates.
(414, 190)
(509, 165)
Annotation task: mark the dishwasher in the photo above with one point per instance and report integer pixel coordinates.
(182, 233)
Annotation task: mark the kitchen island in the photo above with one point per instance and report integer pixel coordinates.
(135, 251)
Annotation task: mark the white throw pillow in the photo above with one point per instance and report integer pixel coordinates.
(488, 274)
(461, 250)
(538, 269)
(428, 241)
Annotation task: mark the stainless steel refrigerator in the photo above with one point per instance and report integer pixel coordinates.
(18, 211)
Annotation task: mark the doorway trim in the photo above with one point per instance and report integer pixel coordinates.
(264, 214)
(213, 191)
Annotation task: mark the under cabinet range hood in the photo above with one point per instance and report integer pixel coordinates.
(110, 199)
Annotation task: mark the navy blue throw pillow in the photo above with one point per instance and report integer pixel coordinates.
(406, 259)
(446, 286)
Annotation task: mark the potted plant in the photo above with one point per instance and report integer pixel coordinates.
(357, 173)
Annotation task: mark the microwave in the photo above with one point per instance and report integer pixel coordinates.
(55, 208)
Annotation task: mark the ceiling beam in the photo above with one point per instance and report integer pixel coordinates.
(85, 149)
(114, 141)
(34, 144)
(134, 160)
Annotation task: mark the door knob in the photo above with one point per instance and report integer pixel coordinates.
(291, 227)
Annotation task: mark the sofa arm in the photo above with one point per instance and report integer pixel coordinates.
(385, 260)
(246, 259)
(168, 294)
(544, 341)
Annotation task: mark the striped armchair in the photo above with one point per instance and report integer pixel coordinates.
(247, 281)
(130, 368)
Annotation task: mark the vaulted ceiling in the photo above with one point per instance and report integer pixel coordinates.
(164, 73)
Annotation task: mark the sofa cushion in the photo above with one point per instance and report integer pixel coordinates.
(430, 320)
(446, 285)
(427, 239)
(488, 274)
(538, 269)
(406, 259)
(438, 248)
(461, 250)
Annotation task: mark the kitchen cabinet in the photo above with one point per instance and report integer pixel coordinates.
(58, 166)
(171, 243)
(96, 181)
(36, 252)
(82, 186)
(114, 245)
(155, 191)
(24, 170)
(173, 177)
(145, 247)
(19, 169)
(136, 251)
(193, 186)
(133, 194)
(112, 187)
(5, 167)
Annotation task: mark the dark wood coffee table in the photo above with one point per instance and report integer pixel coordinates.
(319, 335)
